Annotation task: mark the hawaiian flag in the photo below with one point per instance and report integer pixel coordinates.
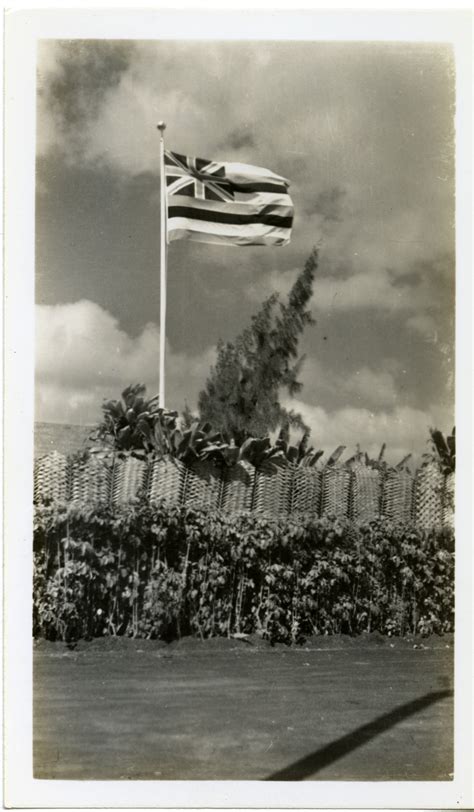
(230, 203)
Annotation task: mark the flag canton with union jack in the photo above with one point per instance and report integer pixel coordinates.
(196, 177)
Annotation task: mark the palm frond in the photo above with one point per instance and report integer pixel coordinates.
(335, 455)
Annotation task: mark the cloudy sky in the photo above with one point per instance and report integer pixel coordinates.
(364, 133)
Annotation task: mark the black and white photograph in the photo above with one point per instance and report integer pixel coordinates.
(243, 479)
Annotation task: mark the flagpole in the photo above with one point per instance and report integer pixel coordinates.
(161, 126)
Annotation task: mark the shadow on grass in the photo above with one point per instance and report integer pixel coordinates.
(331, 752)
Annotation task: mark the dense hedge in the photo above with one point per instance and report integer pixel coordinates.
(163, 572)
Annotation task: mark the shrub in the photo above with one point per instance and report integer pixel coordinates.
(164, 571)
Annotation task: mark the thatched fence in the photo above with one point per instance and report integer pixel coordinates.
(424, 498)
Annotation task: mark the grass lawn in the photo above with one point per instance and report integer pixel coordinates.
(338, 708)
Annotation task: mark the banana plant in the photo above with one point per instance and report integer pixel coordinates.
(443, 450)
(259, 450)
(306, 456)
(402, 465)
(300, 454)
(334, 457)
(134, 424)
(378, 463)
(199, 441)
(358, 459)
(222, 452)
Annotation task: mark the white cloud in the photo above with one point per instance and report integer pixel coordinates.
(261, 286)
(367, 385)
(403, 429)
(357, 276)
(116, 139)
(393, 208)
(368, 290)
(364, 386)
(82, 357)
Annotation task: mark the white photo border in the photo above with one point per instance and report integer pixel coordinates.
(23, 30)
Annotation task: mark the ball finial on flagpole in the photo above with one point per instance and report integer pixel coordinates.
(161, 126)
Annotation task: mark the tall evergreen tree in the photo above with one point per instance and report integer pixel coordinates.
(241, 395)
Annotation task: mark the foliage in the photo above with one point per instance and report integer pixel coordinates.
(241, 395)
(443, 450)
(300, 454)
(138, 426)
(187, 417)
(135, 424)
(163, 572)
